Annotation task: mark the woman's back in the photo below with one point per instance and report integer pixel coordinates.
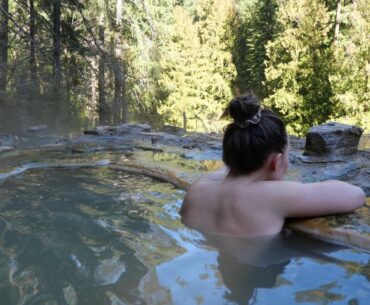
(221, 207)
(239, 207)
(249, 197)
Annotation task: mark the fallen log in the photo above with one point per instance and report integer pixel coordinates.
(155, 173)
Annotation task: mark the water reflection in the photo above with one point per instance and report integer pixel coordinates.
(247, 265)
(176, 161)
(67, 237)
(286, 269)
(96, 237)
(243, 280)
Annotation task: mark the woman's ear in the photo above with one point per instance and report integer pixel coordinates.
(276, 162)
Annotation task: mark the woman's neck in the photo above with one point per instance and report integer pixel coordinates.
(262, 174)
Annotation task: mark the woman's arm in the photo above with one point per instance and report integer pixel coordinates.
(320, 198)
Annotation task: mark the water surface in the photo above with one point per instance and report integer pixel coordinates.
(96, 237)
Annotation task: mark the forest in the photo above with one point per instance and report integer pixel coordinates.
(179, 62)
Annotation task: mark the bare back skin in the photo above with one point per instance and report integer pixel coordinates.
(249, 197)
(258, 204)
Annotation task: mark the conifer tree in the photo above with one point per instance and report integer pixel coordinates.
(254, 25)
(197, 67)
(298, 64)
(350, 76)
(4, 23)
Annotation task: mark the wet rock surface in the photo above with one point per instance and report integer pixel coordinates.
(141, 137)
(191, 154)
(351, 229)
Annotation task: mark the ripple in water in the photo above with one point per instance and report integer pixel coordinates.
(96, 237)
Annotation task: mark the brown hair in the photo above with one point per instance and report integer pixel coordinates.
(254, 134)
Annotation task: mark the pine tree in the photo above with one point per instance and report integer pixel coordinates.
(350, 76)
(196, 66)
(298, 65)
(4, 22)
(254, 25)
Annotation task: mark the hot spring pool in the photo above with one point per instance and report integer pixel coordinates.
(97, 236)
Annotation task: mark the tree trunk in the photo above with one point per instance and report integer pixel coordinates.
(94, 82)
(119, 103)
(118, 92)
(57, 69)
(33, 69)
(185, 121)
(103, 107)
(4, 20)
(337, 22)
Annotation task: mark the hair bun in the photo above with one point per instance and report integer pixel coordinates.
(243, 107)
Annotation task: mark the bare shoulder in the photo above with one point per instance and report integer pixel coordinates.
(203, 182)
(198, 192)
(295, 199)
(217, 175)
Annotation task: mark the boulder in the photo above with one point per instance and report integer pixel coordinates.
(332, 139)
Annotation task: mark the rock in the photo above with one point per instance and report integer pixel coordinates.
(332, 139)
(321, 159)
(98, 131)
(215, 145)
(6, 149)
(70, 295)
(93, 132)
(362, 178)
(91, 148)
(37, 128)
(191, 146)
(129, 128)
(163, 138)
(7, 140)
(78, 150)
(172, 129)
(297, 143)
(54, 146)
(109, 271)
(119, 130)
(148, 148)
(350, 229)
(342, 171)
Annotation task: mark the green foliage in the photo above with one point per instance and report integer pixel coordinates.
(298, 65)
(196, 66)
(350, 77)
(253, 26)
(190, 56)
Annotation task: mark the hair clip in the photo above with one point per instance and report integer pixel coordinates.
(254, 120)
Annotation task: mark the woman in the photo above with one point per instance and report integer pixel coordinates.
(249, 197)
